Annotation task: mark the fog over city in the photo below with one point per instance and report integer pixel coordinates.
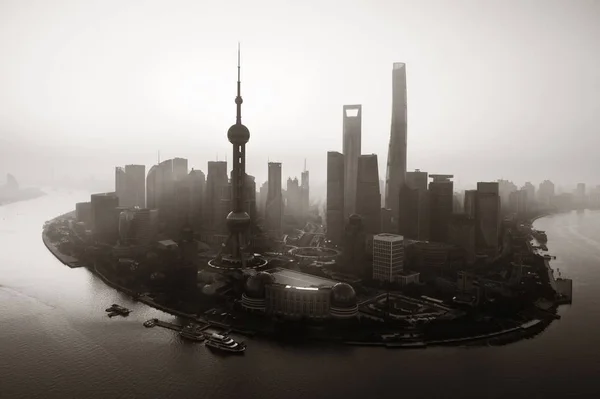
(505, 89)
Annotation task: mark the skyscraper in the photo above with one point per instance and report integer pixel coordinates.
(130, 185)
(274, 209)
(441, 198)
(335, 197)
(413, 207)
(216, 184)
(396, 163)
(368, 197)
(305, 192)
(487, 215)
(352, 148)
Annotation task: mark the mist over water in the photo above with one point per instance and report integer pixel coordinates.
(56, 340)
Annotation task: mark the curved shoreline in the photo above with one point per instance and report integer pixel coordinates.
(522, 331)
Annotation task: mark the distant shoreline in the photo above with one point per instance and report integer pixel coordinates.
(22, 195)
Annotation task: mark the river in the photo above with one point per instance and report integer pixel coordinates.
(57, 342)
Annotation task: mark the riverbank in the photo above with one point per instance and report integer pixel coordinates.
(519, 330)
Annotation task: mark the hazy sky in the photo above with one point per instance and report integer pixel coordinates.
(495, 88)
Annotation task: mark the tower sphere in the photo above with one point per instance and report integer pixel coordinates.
(238, 134)
(237, 221)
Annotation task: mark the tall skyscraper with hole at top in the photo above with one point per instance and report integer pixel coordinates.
(396, 163)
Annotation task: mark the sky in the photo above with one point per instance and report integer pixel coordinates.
(496, 89)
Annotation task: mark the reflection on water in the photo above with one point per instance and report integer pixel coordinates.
(57, 342)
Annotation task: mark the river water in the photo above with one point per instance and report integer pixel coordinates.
(57, 342)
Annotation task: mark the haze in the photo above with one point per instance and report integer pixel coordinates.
(496, 89)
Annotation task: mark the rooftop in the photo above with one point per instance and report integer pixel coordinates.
(298, 279)
(388, 237)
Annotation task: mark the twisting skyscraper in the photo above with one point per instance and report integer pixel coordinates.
(396, 164)
(238, 221)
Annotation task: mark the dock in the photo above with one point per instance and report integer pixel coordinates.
(176, 327)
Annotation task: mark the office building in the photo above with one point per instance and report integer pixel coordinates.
(335, 197)
(105, 217)
(396, 163)
(488, 218)
(413, 208)
(197, 185)
(352, 150)
(441, 202)
(83, 213)
(388, 257)
(355, 248)
(546, 193)
(470, 203)
(517, 202)
(262, 198)
(130, 185)
(462, 234)
(304, 193)
(530, 189)
(274, 210)
(368, 197)
(217, 188)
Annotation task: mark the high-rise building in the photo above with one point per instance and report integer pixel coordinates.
(368, 197)
(335, 197)
(470, 204)
(130, 185)
(505, 187)
(305, 193)
(388, 257)
(352, 150)
(517, 202)
(197, 185)
(413, 208)
(262, 198)
(417, 179)
(83, 213)
(488, 218)
(462, 234)
(546, 193)
(293, 202)
(441, 200)
(382, 192)
(105, 217)
(274, 210)
(217, 186)
(396, 163)
(530, 189)
(355, 248)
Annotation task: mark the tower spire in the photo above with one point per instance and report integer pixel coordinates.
(238, 99)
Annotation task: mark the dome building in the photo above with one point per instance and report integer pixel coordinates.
(343, 301)
(294, 295)
(254, 296)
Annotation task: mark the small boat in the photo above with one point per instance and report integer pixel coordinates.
(192, 332)
(224, 343)
(150, 323)
(117, 310)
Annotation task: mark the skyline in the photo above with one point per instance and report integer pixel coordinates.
(69, 97)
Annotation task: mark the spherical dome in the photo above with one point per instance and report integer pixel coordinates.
(255, 285)
(206, 277)
(343, 295)
(238, 134)
(237, 221)
(209, 289)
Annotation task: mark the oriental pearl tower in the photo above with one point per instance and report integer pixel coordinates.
(232, 254)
